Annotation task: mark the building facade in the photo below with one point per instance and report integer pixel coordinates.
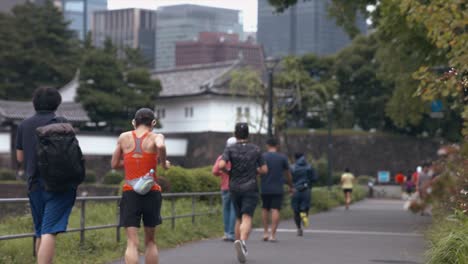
(80, 14)
(199, 99)
(214, 47)
(135, 28)
(303, 28)
(184, 22)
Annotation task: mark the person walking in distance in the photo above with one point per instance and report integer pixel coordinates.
(347, 183)
(50, 208)
(303, 176)
(272, 187)
(229, 214)
(138, 152)
(246, 163)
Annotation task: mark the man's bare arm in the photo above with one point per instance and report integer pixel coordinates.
(20, 159)
(262, 170)
(222, 164)
(161, 147)
(116, 161)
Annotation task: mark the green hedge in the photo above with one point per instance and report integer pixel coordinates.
(113, 177)
(190, 180)
(91, 176)
(7, 175)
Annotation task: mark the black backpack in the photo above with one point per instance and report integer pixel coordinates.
(60, 161)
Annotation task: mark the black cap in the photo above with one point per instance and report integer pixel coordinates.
(298, 155)
(241, 131)
(272, 142)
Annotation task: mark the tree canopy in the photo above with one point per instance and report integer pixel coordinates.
(111, 92)
(36, 48)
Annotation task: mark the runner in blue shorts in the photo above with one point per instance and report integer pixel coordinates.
(50, 210)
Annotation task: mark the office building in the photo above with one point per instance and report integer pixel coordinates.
(212, 47)
(303, 28)
(184, 22)
(134, 28)
(80, 14)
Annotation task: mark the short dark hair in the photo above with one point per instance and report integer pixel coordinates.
(144, 116)
(427, 164)
(346, 170)
(46, 99)
(272, 142)
(241, 131)
(298, 155)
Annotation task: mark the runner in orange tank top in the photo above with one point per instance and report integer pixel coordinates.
(137, 152)
(138, 162)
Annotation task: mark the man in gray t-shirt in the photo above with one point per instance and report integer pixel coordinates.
(246, 163)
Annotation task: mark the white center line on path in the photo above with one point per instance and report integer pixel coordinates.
(345, 232)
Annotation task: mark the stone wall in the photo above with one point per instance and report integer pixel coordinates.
(363, 153)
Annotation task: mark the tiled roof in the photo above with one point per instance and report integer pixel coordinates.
(16, 110)
(195, 80)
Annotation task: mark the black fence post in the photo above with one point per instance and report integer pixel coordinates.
(117, 230)
(82, 222)
(173, 212)
(193, 209)
(34, 246)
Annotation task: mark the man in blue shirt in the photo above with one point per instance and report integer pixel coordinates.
(272, 187)
(303, 176)
(50, 210)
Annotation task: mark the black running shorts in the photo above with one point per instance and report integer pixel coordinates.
(347, 190)
(272, 201)
(134, 207)
(244, 203)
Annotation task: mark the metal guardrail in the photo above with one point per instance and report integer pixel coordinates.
(83, 200)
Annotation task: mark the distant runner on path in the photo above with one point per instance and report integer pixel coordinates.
(303, 177)
(347, 183)
(138, 152)
(229, 214)
(246, 163)
(272, 187)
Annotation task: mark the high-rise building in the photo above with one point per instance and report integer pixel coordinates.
(134, 28)
(184, 22)
(212, 47)
(303, 28)
(80, 14)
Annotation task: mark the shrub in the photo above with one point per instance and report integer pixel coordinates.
(180, 179)
(164, 183)
(7, 175)
(91, 176)
(113, 177)
(205, 181)
(364, 179)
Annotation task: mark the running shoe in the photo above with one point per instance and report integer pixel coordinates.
(241, 250)
(305, 219)
(299, 232)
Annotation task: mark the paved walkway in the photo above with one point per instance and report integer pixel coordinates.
(373, 231)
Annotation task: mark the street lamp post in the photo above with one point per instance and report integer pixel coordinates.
(330, 106)
(270, 103)
(270, 66)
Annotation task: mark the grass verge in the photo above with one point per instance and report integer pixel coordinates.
(101, 247)
(448, 241)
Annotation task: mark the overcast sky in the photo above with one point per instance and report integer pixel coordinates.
(248, 7)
